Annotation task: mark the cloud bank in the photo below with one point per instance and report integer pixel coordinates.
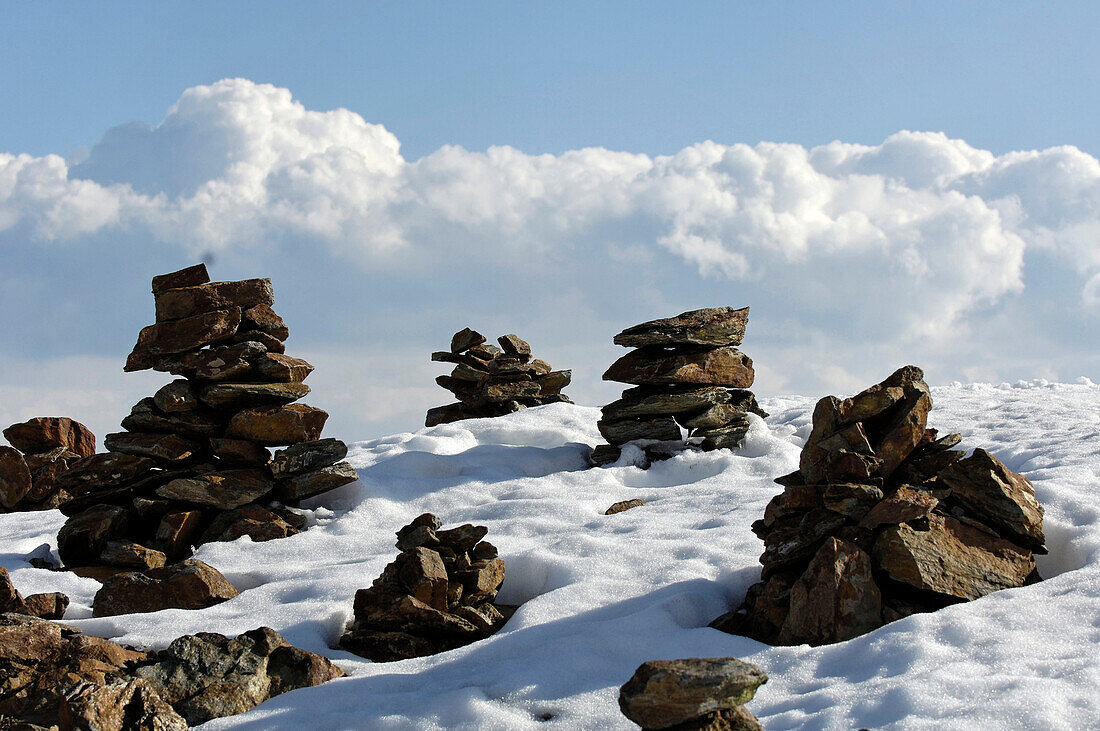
(922, 243)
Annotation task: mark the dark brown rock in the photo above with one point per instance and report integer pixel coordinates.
(184, 302)
(44, 433)
(258, 523)
(716, 416)
(481, 581)
(264, 319)
(10, 598)
(15, 477)
(445, 414)
(514, 346)
(718, 367)
(463, 538)
(951, 559)
(271, 343)
(118, 706)
(84, 536)
(178, 336)
(176, 396)
(603, 454)
(308, 484)
(998, 496)
(662, 428)
(664, 403)
(905, 505)
(553, 382)
(730, 719)
(188, 277)
(278, 426)
(146, 417)
(282, 368)
(165, 447)
(729, 436)
(219, 363)
(48, 605)
(124, 552)
(240, 452)
(243, 395)
(663, 693)
(190, 584)
(835, 598)
(497, 392)
(91, 474)
(307, 456)
(420, 572)
(465, 339)
(624, 505)
(177, 532)
(716, 326)
(222, 490)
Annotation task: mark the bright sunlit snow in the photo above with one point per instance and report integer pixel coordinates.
(601, 594)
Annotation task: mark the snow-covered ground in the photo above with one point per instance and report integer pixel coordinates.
(601, 594)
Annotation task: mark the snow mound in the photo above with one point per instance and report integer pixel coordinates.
(601, 594)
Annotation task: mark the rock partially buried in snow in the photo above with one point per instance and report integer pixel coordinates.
(666, 693)
(624, 505)
(190, 584)
(436, 596)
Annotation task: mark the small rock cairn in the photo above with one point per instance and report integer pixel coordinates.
(883, 519)
(492, 381)
(687, 374)
(694, 694)
(42, 448)
(435, 596)
(193, 464)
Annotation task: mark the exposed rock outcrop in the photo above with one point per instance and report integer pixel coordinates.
(193, 463)
(885, 519)
(42, 448)
(435, 596)
(695, 693)
(688, 375)
(492, 381)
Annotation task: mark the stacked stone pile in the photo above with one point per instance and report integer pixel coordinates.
(885, 519)
(435, 596)
(695, 694)
(42, 448)
(687, 374)
(53, 676)
(193, 463)
(492, 381)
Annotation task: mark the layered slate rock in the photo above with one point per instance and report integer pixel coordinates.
(42, 448)
(52, 675)
(688, 377)
(190, 584)
(438, 594)
(194, 461)
(884, 519)
(492, 381)
(694, 693)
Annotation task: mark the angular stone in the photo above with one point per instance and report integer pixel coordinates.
(52, 457)
(506, 365)
(465, 390)
(498, 392)
(240, 452)
(905, 423)
(264, 319)
(190, 584)
(421, 574)
(271, 343)
(462, 538)
(189, 277)
(624, 505)
(282, 368)
(465, 339)
(793, 540)
(177, 532)
(118, 706)
(388, 610)
(715, 326)
(603, 454)
(242, 395)
(998, 496)
(834, 453)
(184, 302)
(307, 456)
(553, 382)
(84, 536)
(729, 436)
(662, 428)
(951, 559)
(487, 618)
(850, 500)
(445, 414)
(15, 477)
(45, 433)
(10, 598)
(219, 363)
(420, 535)
(48, 605)
(485, 352)
(835, 598)
(663, 693)
(729, 719)
(306, 485)
(178, 336)
(905, 505)
(464, 372)
(258, 523)
(176, 396)
(90, 474)
(146, 417)
(718, 367)
(278, 426)
(514, 346)
(481, 582)
(124, 552)
(165, 447)
(383, 646)
(224, 490)
(716, 416)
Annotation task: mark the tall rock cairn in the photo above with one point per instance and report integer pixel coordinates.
(687, 374)
(884, 519)
(192, 464)
(492, 381)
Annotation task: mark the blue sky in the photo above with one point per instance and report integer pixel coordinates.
(881, 182)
